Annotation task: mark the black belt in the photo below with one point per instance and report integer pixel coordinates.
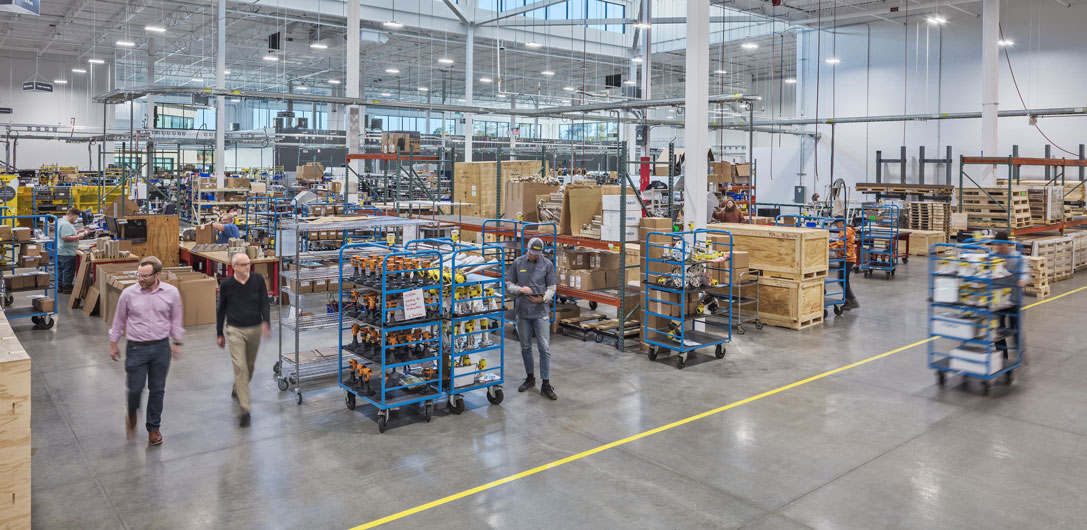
(147, 342)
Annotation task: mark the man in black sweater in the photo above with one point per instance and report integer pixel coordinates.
(243, 307)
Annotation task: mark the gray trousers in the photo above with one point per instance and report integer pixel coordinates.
(541, 329)
(147, 364)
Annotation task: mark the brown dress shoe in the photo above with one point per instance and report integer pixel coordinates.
(154, 437)
(130, 426)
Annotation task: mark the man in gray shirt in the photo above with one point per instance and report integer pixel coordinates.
(531, 281)
(69, 242)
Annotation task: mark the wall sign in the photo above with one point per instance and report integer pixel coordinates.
(22, 7)
(5, 110)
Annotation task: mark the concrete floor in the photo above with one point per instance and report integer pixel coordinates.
(876, 446)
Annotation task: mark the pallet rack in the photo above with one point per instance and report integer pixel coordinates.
(1014, 164)
(879, 239)
(262, 216)
(969, 299)
(298, 266)
(47, 224)
(696, 263)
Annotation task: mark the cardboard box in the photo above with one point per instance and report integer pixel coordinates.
(21, 233)
(90, 301)
(575, 258)
(5, 233)
(198, 299)
(587, 280)
(30, 250)
(44, 304)
(113, 293)
(520, 198)
(580, 203)
(28, 261)
(42, 279)
(258, 187)
(310, 171)
(606, 260)
(205, 234)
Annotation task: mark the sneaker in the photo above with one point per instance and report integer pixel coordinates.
(548, 391)
(851, 304)
(154, 437)
(130, 426)
(234, 394)
(245, 419)
(529, 383)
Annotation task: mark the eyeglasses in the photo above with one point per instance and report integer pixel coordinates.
(243, 265)
(145, 276)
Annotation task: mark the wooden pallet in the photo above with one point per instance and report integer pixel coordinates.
(999, 223)
(1037, 292)
(794, 325)
(795, 276)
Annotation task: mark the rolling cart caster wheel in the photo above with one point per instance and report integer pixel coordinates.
(888, 275)
(456, 404)
(585, 336)
(985, 387)
(47, 322)
(562, 331)
(592, 304)
(652, 353)
(720, 351)
(740, 330)
(496, 396)
(1008, 377)
(428, 411)
(838, 310)
(941, 379)
(8, 300)
(349, 399)
(277, 367)
(681, 361)
(758, 324)
(382, 421)
(284, 384)
(598, 337)
(299, 400)
(35, 319)
(905, 260)
(892, 274)
(825, 312)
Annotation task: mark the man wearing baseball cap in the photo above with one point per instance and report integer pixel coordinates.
(532, 282)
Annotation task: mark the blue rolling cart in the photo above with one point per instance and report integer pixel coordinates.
(680, 286)
(476, 326)
(401, 352)
(47, 224)
(974, 311)
(879, 239)
(517, 244)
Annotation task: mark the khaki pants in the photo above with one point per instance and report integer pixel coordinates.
(243, 344)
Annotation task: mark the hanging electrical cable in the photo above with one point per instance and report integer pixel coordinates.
(1022, 101)
(818, 70)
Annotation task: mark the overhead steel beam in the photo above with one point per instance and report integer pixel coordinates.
(1067, 111)
(521, 10)
(456, 11)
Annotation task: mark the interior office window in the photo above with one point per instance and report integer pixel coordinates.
(602, 9)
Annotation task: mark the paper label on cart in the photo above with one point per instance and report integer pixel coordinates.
(414, 305)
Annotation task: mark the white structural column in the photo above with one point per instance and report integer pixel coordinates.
(220, 101)
(354, 118)
(647, 69)
(990, 78)
(696, 115)
(469, 83)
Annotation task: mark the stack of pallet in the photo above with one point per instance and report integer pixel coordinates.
(1058, 251)
(1046, 204)
(1039, 281)
(996, 207)
(1079, 248)
(794, 265)
(928, 215)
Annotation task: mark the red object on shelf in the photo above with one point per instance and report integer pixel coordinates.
(643, 172)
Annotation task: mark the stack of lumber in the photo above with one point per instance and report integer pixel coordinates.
(925, 215)
(1039, 282)
(592, 229)
(1058, 251)
(1046, 204)
(990, 207)
(1074, 190)
(794, 264)
(549, 207)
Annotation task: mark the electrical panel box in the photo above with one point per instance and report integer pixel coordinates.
(800, 194)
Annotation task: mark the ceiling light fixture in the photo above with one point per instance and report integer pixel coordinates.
(720, 72)
(630, 82)
(318, 46)
(643, 25)
(386, 95)
(568, 88)
(502, 96)
(96, 61)
(533, 44)
(60, 82)
(392, 71)
(422, 89)
(226, 72)
(445, 60)
(155, 29)
(301, 87)
(790, 81)
(1005, 42)
(125, 43)
(636, 60)
(197, 80)
(392, 24)
(235, 100)
(548, 73)
(79, 71)
(333, 81)
(749, 46)
(485, 80)
(833, 60)
(270, 58)
(936, 19)
(460, 100)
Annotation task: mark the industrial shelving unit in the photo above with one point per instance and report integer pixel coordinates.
(1014, 164)
(402, 347)
(298, 266)
(879, 239)
(970, 295)
(262, 216)
(47, 224)
(695, 261)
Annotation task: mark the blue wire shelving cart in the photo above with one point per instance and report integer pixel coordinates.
(46, 283)
(974, 310)
(679, 287)
(879, 239)
(476, 324)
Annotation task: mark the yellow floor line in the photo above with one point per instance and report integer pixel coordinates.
(662, 428)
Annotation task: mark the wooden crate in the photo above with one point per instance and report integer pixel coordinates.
(921, 240)
(15, 431)
(1058, 251)
(793, 304)
(780, 251)
(1039, 281)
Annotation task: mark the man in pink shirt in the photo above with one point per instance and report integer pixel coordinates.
(151, 311)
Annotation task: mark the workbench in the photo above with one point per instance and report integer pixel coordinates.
(216, 264)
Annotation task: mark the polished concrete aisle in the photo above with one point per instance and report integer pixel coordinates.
(875, 446)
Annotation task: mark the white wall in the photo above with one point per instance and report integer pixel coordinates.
(880, 75)
(67, 103)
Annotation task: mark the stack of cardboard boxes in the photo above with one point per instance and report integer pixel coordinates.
(614, 224)
(197, 291)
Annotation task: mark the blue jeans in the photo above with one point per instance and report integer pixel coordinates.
(541, 328)
(150, 363)
(66, 271)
